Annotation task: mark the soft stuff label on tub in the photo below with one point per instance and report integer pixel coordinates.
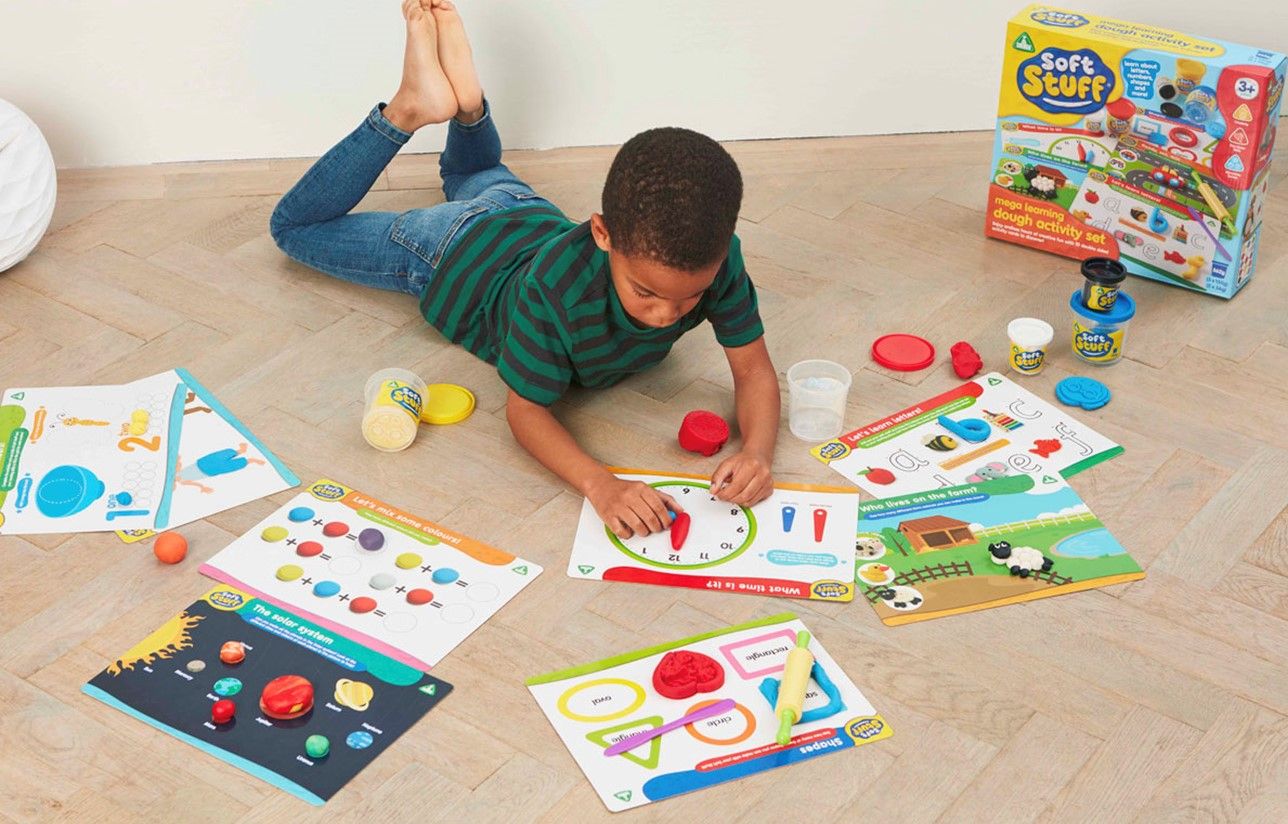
(1094, 345)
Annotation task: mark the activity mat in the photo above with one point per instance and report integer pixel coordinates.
(794, 544)
(393, 581)
(155, 453)
(594, 706)
(965, 548)
(922, 447)
(268, 692)
(1151, 204)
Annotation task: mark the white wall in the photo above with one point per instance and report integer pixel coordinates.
(142, 81)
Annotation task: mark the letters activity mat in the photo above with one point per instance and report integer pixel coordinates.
(404, 586)
(1152, 207)
(155, 453)
(595, 706)
(795, 544)
(965, 548)
(268, 692)
(912, 450)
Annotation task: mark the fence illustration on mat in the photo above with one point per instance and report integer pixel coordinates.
(1035, 523)
(955, 569)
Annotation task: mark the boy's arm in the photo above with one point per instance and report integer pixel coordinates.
(746, 478)
(627, 507)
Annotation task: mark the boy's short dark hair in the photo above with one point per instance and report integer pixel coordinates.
(672, 195)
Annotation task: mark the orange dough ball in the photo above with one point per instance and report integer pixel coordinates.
(170, 547)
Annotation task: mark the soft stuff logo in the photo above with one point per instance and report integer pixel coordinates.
(1066, 82)
(831, 590)
(1093, 345)
(327, 491)
(865, 729)
(1060, 19)
(226, 599)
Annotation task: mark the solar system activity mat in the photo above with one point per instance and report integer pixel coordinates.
(965, 548)
(595, 706)
(263, 689)
(400, 584)
(795, 544)
(159, 452)
(986, 428)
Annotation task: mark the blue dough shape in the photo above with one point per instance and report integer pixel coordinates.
(789, 516)
(1157, 222)
(445, 575)
(66, 490)
(221, 462)
(972, 430)
(325, 589)
(300, 514)
(769, 689)
(1088, 393)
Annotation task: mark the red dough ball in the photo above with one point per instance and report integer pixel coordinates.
(683, 674)
(703, 432)
(223, 710)
(966, 361)
(170, 547)
(286, 697)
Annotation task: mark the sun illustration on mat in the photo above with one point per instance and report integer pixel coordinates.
(165, 642)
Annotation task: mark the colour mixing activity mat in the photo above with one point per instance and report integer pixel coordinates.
(976, 546)
(393, 581)
(268, 692)
(156, 453)
(984, 429)
(592, 707)
(795, 544)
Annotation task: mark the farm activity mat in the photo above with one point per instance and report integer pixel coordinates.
(155, 453)
(594, 706)
(795, 544)
(402, 585)
(268, 692)
(912, 450)
(965, 548)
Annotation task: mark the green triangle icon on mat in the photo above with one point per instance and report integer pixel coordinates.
(994, 381)
(17, 396)
(522, 570)
(649, 762)
(430, 689)
(585, 569)
(1023, 43)
(1047, 479)
(624, 795)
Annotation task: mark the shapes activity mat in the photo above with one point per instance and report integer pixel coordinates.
(794, 544)
(347, 703)
(912, 450)
(596, 705)
(965, 548)
(402, 585)
(156, 453)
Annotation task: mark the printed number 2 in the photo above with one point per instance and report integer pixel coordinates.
(151, 445)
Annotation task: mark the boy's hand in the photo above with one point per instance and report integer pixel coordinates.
(744, 479)
(631, 507)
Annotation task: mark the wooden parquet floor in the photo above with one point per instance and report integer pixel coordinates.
(1165, 699)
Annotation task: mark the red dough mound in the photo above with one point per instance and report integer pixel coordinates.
(683, 674)
(966, 361)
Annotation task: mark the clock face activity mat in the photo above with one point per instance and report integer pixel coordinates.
(912, 450)
(965, 548)
(795, 544)
(592, 707)
(268, 692)
(156, 453)
(402, 585)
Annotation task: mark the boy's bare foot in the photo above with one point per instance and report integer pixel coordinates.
(425, 95)
(457, 60)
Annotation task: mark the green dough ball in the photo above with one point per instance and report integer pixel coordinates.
(317, 746)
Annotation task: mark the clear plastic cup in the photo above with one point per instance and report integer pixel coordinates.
(817, 390)
(395, 398)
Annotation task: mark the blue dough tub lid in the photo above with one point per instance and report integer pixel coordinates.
(1123, 311)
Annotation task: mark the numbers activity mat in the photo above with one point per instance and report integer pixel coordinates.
(946, 551)
(402, 585)
(156, 453)
(795, 544)
(596, 705)
(309, 709)
(911, 451)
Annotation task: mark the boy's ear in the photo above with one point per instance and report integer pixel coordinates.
(599, 231)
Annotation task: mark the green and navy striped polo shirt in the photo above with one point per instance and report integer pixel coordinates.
(527, 289)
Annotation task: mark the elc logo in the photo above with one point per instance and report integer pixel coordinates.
(1060, 19)
(1066, 82)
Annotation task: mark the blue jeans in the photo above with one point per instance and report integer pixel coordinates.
(391, 250)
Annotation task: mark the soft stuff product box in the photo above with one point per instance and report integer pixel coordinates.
(1133, 142)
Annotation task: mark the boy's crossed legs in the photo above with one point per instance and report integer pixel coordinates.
(400, 251)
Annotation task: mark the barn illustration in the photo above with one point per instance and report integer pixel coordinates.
(936, 532)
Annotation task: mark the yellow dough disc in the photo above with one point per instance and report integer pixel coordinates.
(407, 560)
(355, 695)
(447, 403)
